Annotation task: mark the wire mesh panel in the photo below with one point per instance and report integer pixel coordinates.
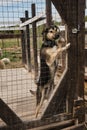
(20, 43)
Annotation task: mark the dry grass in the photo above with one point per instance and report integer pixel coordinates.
(17, 64)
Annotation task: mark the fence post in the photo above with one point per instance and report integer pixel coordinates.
(34, 41)
(23, 44)
(28, 55)
(48, 13)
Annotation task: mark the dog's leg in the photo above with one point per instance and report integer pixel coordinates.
(38, 95)
(53, 53)
(41, 102)
(33, 92)
(64, 48)
(47, 92)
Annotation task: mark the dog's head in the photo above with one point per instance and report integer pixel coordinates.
(51, 33)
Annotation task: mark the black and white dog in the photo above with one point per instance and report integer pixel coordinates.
(48, 64)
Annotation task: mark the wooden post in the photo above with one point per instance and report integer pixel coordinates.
(34, 42)
(28, 55)
(48, 13)
(23, 45)
(7, 115)
(72, 24)
(75, 21)
(81, 47)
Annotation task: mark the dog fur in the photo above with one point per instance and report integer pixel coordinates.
(48, 64)
(3, 62)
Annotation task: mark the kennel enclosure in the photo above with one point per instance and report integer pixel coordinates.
(65, 107)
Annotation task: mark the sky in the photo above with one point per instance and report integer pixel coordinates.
(12, 10)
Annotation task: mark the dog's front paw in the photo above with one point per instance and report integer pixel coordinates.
(68, 45)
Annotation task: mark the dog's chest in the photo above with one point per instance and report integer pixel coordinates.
(54, 48)
(55, 63)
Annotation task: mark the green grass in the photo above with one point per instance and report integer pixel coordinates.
(6, 43)
(13, 56)
(12, 47)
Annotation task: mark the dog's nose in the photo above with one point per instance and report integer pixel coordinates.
(56, 36)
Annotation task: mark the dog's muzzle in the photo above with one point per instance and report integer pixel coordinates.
(56, 36)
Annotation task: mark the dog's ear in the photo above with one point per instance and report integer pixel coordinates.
(45, 31)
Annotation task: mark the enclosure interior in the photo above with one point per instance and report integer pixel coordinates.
(17, 78)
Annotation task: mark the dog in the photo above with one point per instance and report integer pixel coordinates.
(48, 64)
(3, 62)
